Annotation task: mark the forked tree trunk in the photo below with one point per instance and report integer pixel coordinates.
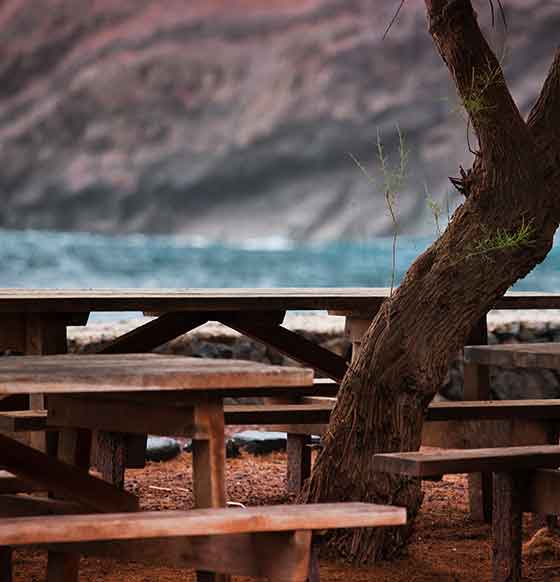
(514, 185)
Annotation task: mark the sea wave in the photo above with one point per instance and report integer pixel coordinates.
(62, 259)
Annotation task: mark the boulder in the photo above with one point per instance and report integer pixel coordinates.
(162, 448)
(260, 442)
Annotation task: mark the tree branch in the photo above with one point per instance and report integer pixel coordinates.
(501, 131)
(544, 119)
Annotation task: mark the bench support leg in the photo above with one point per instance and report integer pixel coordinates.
(209, 462)
(299, 460)
(476, 386)
(74, 447)
(507, 527)
(110, 456)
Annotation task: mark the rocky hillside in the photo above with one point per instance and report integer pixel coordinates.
(234, 118)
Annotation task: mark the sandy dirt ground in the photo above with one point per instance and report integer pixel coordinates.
(446, 545)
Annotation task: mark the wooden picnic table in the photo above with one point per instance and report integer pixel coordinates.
(141, 393)
(34, 321)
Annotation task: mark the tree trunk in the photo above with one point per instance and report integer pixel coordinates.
(511, 189)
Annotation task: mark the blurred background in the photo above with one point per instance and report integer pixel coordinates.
(188, 143)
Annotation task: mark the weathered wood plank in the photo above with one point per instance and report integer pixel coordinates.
(122, 416)
(441, 462)
(275, 556)
(545, 355)
(74, 448)
(495, 410)
(307, 413)
(63, 479)
(155, 333)
(362, 300)
(299, 460)
(71, 374)
(215, 521)
(168, 300)
(293, 345)
(110, 456)
(476, 386)
(209, 455)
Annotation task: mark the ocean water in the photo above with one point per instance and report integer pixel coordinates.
(78, 260)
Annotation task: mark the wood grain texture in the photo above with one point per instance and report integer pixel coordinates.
(299, 460)
(215, 521)
(545, 355)
(63, 479)
(155, 333)
(71, 374)
(168, 300)
(121, 416)
(312, 413)
(423, 464)
(293, 345)
(74, 448)
(278, 556)
(361, 300)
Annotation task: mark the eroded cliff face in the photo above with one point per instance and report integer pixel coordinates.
(234, 118)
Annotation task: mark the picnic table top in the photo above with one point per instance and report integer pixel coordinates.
(342, 299)
(79, 374)
(541, 355)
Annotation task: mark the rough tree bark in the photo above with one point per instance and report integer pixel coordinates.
(514, 184)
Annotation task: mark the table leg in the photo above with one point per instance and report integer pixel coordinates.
(209, 463)
(299, 460)
(476, 386)
(74, 447)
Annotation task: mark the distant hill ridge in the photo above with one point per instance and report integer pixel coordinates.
(231, 119)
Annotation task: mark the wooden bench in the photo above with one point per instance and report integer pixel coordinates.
(449, 424)
(522, 481)
(479, 357)
(272, 541)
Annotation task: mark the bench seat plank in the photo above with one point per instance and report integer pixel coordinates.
(542, 409)
(196, 522)
(441, 462)
(318, 412)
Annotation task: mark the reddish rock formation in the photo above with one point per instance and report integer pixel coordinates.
(232, 118)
